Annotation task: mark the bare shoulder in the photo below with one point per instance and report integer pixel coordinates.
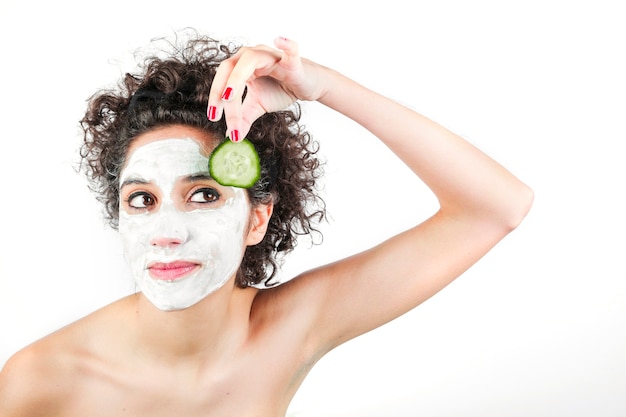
(34, 380)
(42, 377)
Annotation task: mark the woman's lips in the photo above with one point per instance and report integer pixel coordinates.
(171, 270)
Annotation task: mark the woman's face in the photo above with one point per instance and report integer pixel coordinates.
(183, 234)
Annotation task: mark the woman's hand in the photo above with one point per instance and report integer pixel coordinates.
(274, 80)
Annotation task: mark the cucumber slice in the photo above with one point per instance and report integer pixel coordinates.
(235, 164)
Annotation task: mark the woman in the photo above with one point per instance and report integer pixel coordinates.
(200, 338)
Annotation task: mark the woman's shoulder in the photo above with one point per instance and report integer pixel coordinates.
(35, 378)
(45, 373)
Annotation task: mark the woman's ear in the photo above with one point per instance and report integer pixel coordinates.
(259, 220)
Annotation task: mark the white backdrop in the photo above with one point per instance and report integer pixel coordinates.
(536, 328)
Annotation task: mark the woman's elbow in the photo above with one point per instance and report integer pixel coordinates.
(519, 205)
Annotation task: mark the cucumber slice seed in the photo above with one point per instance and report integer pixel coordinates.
(235, 164)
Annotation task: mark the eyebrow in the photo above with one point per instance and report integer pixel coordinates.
(198, 177)
(131, 181)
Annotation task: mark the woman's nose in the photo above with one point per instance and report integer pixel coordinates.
(169, 230)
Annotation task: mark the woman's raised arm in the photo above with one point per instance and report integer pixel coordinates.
(480, 201)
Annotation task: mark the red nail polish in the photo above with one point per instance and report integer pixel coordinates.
(234, 135)
(212, 112)
(227, 93)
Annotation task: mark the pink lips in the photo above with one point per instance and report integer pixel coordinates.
(172, 270)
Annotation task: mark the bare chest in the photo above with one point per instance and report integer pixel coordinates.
(254, 388)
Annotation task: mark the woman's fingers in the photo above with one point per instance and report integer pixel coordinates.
(229, 84)
(291, 55)
(218, 89)
(274, 79)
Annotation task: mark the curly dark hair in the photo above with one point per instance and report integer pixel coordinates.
(173, 89)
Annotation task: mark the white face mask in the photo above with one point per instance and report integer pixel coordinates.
(179, 255)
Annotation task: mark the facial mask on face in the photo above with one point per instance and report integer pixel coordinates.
(209, 242)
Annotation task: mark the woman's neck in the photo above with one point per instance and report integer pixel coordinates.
(207, 331)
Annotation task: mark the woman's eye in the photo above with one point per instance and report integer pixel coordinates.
(140, 200)
(205, 195)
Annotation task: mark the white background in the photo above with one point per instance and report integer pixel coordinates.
(536, 328)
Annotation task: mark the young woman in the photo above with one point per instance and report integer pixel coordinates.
(208, 333)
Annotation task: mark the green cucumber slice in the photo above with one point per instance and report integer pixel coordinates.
(235, 164)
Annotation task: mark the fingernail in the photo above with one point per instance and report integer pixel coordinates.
(212, 112)
(227, 93)
(234, 135)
